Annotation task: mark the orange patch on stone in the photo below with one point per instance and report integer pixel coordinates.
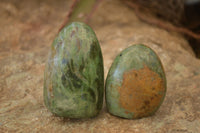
(51, 90)
(139, 92)
(72, 34)
(53, 51)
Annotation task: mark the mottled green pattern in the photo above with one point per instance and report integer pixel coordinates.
(134, 57)
(74, 75)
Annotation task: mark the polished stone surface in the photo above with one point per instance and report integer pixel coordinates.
(136, 83)
(74, 75)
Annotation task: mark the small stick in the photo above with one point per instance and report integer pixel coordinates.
(162, 24)
(75, 2)
(93, 10)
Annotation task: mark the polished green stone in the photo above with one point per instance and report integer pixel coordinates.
(74, 75)
(136, 83)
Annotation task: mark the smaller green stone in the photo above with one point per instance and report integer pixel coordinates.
(74, 75)
(136, 83)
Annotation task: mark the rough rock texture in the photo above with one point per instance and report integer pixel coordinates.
(27, 29)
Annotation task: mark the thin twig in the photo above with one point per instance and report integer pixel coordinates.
(93, 10)
(160, 23)
(75, 2)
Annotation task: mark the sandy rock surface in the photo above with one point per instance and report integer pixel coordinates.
(27, 29)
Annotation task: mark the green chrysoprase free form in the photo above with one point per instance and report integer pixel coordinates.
(136, 83)
(74, 75)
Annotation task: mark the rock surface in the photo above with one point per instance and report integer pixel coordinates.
(27, 30)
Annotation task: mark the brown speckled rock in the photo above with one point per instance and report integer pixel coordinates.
(28, 27)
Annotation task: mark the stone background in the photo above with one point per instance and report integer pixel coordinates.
(27, 29)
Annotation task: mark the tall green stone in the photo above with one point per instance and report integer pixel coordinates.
(74, 75)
